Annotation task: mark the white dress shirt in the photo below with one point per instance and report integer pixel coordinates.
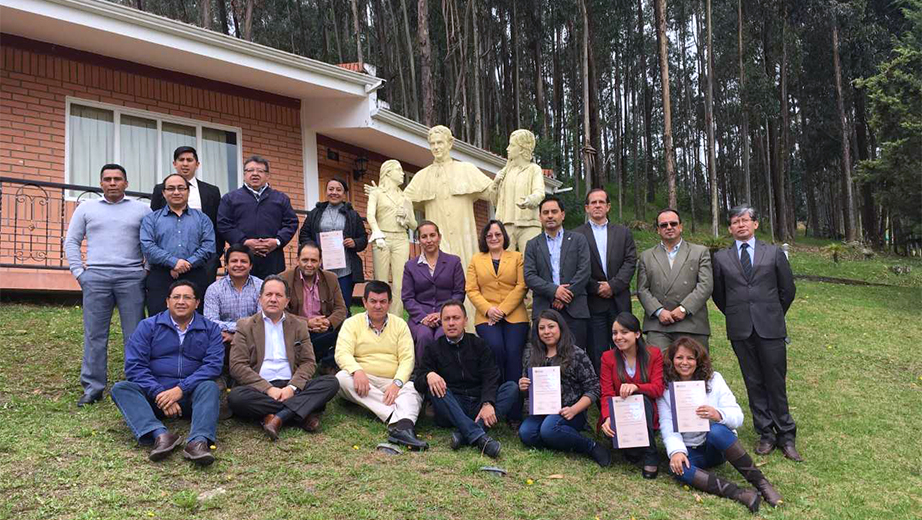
(195, 196)
(600, 233)
(275, 365)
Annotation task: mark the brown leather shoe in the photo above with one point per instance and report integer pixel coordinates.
(198, 453)
(272, 425)
(791, 452)
(164, 444)
(764, 447)
(311, 423)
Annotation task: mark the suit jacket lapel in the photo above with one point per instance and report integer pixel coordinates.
(505, 263)
(594, 246)
(545, 252)
(439, 264)
(734, 254)
(659, 254)
(259, 336)
(288, 329)
(564, 247)
(757, 258)
(609, 250)
(680, 257)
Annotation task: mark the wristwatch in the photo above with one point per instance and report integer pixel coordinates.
(398, 383)
(682, 308)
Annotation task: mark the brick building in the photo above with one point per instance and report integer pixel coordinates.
(86, 82)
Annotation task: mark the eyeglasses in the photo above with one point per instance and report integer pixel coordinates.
(254, 170)
(177, 189)
(178, 297)
(664, 225)
(494, 235)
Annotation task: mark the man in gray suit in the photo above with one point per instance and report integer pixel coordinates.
(674, 282)
(754, 287)
(614, 257)
(557, 269)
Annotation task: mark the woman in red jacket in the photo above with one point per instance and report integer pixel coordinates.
(632, 368)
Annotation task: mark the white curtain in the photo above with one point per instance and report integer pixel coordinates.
(92, 144)
(219, 159)
(138, 151)
(174, 136)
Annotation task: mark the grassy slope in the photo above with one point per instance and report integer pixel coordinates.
(855, 384)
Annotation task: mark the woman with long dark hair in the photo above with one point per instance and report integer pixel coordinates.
(632, 367)
(691, 453)
(552, 345)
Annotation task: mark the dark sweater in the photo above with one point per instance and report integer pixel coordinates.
(468, 368)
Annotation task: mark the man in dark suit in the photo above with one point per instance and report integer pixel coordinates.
(613, 256)
(754, 287)
(557, 269)
(258, 217)
(202, 196)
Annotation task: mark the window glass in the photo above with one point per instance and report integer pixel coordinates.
(138, 151)
(92, 143)
(173, 136)
(219, 159)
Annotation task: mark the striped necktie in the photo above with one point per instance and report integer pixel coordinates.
(746, 260)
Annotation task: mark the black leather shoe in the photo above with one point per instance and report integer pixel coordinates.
(457, 440)
(791, 452)
(164, 444)
(764, 447)
(86, 399)
(489, 447)
(198, 453)
(408, 439)
(601, 455)
(649, 475)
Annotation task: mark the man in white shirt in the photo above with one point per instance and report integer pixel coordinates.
(272, 361)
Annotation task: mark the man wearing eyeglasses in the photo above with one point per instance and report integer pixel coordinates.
(177, 241)
(171, 362)
(674, 282)
(258, 217)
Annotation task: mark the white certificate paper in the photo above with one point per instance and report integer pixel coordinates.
(544, 391)
(334, 254)
(630, 422)
(687, 396)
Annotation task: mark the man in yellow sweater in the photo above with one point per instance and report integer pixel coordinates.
(375, 352)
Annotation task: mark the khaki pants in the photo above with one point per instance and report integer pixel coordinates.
(389, 262)
(406, 406)
(664, 339)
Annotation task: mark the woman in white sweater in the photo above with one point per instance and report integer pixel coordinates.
(691, 453)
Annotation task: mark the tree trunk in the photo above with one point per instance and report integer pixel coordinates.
(635, 135)
(647, 111)
(850, 229)
(414, 101)
(478, 108)
(868, 207)
(425, 61)
(709, 124)
(537, 38)
(516, 80)
(222, 14)
(205, 6)
(744, 124)
(659, 7)
(335, 21)
(356, 27)
(786, 226)
(594, 179)
(248, 21)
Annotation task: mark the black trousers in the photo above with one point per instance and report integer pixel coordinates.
(158, 287)
(273, 263)
(599, 336)
(324, 344)
(763, 363)
(248, 403)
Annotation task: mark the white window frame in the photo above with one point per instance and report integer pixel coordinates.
(160, 117)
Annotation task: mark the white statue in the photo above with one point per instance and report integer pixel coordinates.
(390, 215)
(518, 189)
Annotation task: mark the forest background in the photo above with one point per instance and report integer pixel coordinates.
(811, 110)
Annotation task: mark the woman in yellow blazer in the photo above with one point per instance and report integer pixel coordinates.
(496, 286)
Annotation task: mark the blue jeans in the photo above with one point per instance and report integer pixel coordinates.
(506, 340)
(709, 454)
(346, 285)
(553, 431)
(143, 415)
(103, 290)
(459, 410)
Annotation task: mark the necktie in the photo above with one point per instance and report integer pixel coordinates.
(746, 260)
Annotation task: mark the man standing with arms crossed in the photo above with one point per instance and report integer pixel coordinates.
(113, 273)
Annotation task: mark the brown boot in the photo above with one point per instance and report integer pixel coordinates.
(711, 483)
(737, 456)
(311, 423)
(272, 425)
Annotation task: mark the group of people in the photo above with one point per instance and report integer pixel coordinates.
(283, 342)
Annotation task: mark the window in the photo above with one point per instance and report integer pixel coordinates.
(143, 142)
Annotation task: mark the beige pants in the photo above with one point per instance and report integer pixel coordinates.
(518, 237)
(406, 406)
(389, 262)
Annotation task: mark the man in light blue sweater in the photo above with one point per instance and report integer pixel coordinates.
(112, 274)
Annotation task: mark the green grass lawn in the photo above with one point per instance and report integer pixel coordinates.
(854, 382)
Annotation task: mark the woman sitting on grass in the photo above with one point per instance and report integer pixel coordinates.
(552, 345)
(632, 368)
(690, 453)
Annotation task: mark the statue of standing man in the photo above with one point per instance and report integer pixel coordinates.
(518, 189)
(390, 216)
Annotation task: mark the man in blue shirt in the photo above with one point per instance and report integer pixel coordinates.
(171, 361)
(258, 217)
(177, 241)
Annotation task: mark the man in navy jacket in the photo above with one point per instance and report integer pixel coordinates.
(171, 362)
(258, 217)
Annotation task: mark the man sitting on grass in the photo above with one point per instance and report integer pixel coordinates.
(171, 362)
(460, 373)
(375, 351)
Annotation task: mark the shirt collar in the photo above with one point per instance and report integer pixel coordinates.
(601, 226)
(266, 318)
(674, 249)
(372, 327)
(193, 181)
(254, 192)
(449, 340)
(106, 201)
(422, 258)
(176, 325)
(751, 242)
(315, 277)
(558, 237)
(230, 282)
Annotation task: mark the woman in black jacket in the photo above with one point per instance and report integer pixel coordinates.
(338, 215)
